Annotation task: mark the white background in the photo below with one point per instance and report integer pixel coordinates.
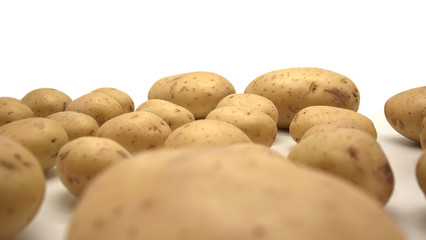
(77, 46)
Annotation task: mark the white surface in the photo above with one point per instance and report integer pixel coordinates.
(77, 46)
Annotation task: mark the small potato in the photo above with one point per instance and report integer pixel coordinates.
(12, 109)
(136, 131)
(257, 125)
(76, 124)
(329, 125)
(421, 172)
(350, 154)
(252, 101)
(405, 112)
(423, 134)
(82, 159)
(100, 106)
(123, 98)
(173, 114)
(206, 132)
(293, 89)
(312, 115)
(43, 137)
(199, 92)
(46, 101)
(154, 103)
(22, 187)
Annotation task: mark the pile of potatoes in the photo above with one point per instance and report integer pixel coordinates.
(194, 161)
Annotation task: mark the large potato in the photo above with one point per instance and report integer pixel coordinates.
(350, 154)
(43, 137)
(102, 107)
(199, 92)
(206, 132)
(310, 116)
(82, 159)
(405, 112)
(46, 101)
(76, 124)
(293, 89)
(22, 187)
(12, 109)
(123, 98)
(237, 192)
(136, 131)
(257, 125)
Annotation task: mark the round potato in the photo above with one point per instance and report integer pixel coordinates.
(123, 98)
(136, 131)
(76, 124)
(154, 103)
(173, 114)
(253, 101)
(229, 192)
(405, 112)
(22, 187)
(46, 101)
(257, 125)
(421, 172)
(293, 89)
(423, 134)
(329, 125)
(350, 154)
(100, 106)
(43, 137)
(82, 159)
(312, 115)
(199, 92)
(12, 109)
(206, 132)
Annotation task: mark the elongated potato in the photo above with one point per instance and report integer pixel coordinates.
(293, 89)
(46, 101)
(123, 98)
(12, 109)
(173, 114)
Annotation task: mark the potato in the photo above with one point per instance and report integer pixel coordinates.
(173, 114)
(136, 131)
(42, 136)
(154, 103)
(329, 125)
(100, 106)
(293, 89)
(12, 109)
(312, 115)
(350, 154)
(22, 187)
(206, 132)
(199, 92)
(82, 159)
(257, 125)
(123, 98)
(421, 172)
(234, 192)
(252, 101)
(405, 112)
(76, 124)
(46, 101)
(423, 134)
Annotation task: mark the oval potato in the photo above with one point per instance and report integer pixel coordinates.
(329, 125)
(46, 101)
(154, 103)
(173, 114)
(12, 109)
(123, 98)
(75, 124)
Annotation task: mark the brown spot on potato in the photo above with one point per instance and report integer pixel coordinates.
(353, 152)
(9, 166)
(258, 231)
(385, 171)
(62, 156)
(313, 87)
(97, 223)
(147, 203)
(338, 96)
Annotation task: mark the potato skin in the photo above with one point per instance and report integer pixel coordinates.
(22, 187)
(229, 192)
(405, 112)
(421, 172)
(46, 101)
(12, 109)
(173, 114)
(123, 98)
(293, 89)
(199, 92)
(330, 125)
(350, 154)
(423, 134)
(42, 136)
(75, 124)
(154, 103)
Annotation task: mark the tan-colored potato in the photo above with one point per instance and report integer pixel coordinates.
(123, 98)
(100, 106)
(421, 172)
(199, 92)
(405, 112)
(136, 131)
(423, 134)
(257, 125)
(293, 89)
(350, 154)
(173, 114)
(313, 115)
(46, 101)
(22, 187)
(42, 136)
(154, 103)
(12, 109)
(76, 124)
(230, 192)
(329, 125)
(81, 160)
(253, 101)
(206, 132)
